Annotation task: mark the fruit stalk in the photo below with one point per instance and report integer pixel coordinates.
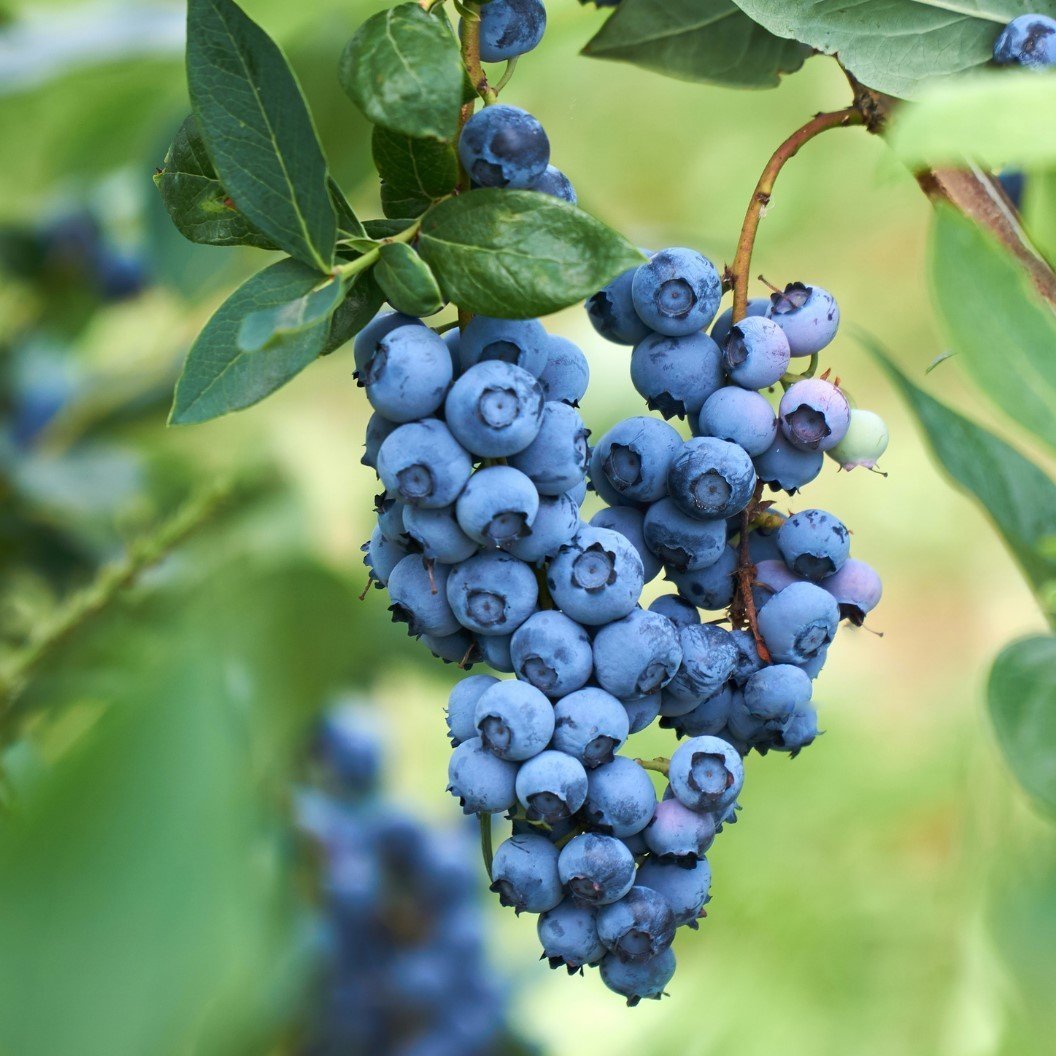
(743, 609)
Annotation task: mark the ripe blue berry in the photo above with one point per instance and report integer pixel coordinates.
(551, 786)
(762, 540)
(686, 890)
(555, 183)
(378, 428)
(720, 330)
(773, 693)
(709, 717)
(864, 442)
(597, 578)
(747, 662)
(713, 587)
(495, 651)
(390, 513)
(524, 874)
(408, 374)
(453, 339)
(786, 467)
(495, 409)
(556, 460)
(424, 465)
(641, 711)
(814, 544)
(381, 556)
(856, 588)
(492, 593)
(596, 869)
(611, 311)
(711, 479)
(620, 798)
(509, 28)
(678, 834)
(522, 342)
(628, 521)
(676, 292)
(639, 980)
(504, 146)
(808, 315)
(514, 720)
(756, 353)
(590, 726)
(569, 936)
(632, 460)
(366, 342)
(814, 415)
(675, 375)
(438, 534)
(566, 373)
(555, 524)
(497, 506)
(770, 578)
(678, 610)
(682, 542)
(798, 622)
(417, 588)
(482, 782)
(462, 706)
(801, 732)
(1028, 40)
(740, 416)
(458, 648)
(706, 773)
(708, 658)
(637, 655)
(639, 926)
(552, 653)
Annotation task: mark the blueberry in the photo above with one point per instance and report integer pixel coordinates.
(569, 936)
(555, 524)
(408, 374)
(814, 415)
(680, 612)
(814, 544)
(495, 651)
(639, 926)
(551, 786)
(495, 409)
(417, 588)
(709, 717)
(798, 622)
(620, 798)
(720, 330)
(378, 428)
(770, 578)
(762, 540)
(632, 460)
(347, 748)
(683, 542)
(706, 773)
(864, 442)
(788, 467)
(453, 339)
(801, 732)
(514, 720)
(504, 146)
(756, 353)
(590, 726)
(708, 658)
(675, 375)
(438, 534)
(458, 648)
(552, 653)
(462, 706)
(555, 183)
(381, 556)
(747, 662)
(639, 980)
(740, 416)
(1028, 40)
(678, 834)
(391, 521)
(509, 28)
(773, 693)
(566, 373)
(808, 315)
(637, 655)
(423, 464)
(556, 460)
(686, 890)
(366, 343)
(856, 588)
(641, 711)
(629, 522)
(611, 311)
(492, 593)
(524, 874)
(712, 587)
(711, 478)
(578, 494)
(482, 782)
(676, 292)
(522, 342)
(597, 578)
(596, 869)
(497, 506)
(812, 667)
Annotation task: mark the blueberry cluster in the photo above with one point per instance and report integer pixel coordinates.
(400, 930)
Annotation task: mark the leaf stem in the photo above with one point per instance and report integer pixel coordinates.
(507, 75)
(659, 765)
(790, 377)
(370, 258)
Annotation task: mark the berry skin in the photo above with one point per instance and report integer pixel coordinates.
(495, 651)
(497, 506)
(522, 342)
(417, 588)
(462, 706)
(509, 28)
(611, 311)
(814, 544)
(453, 339)
(772, 695)
(504, 146)
(378, 428)
(566, 373)
(628, 521)
(492, 593)
(390, 520)
(798, 623)
(637, 655)
(438, 534)
(597, 578)
(801, 732)
(596, 869)
(675, 375)
(856, 588)
(408, 374)
(514, 720)
(578, 494)
(711, 479)
(713, 587)
(786, 467)
(551, 786)
(423, 464)
(678, 834)
(381, 556)
(770, 578)
(590, 726)
(637, 927)
(524, 874)
(709, 717)
(483, 783)
(686, 890)
(864, 442)
(756, 353)
(706, 773)
(762, 541)
(814, 414)
(555, 183)
(808, 315)
(641, 711)
(680, 612)
(632, 460)
(620, 798)
(555, 524)
(458, 648)
(720, 330)
(708, 658)
(552, 653)
(676, 292)
(569, 936)
(682, 542)
(556, 460)
(1028, 40)
(639, 980)
(366, 342)
(812, 668)
(747, 662)
(495, 409)
(740, 416)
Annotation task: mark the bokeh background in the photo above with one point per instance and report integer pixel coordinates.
(890, 891)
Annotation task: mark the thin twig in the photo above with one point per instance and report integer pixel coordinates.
(743, 609)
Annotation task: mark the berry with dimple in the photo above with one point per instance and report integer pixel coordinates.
(552, 653)
(482, 782)
(639, 980)
(556, 460)
(637, 927)
(678, 610)
(381, 556)
(462, 706)
(711, 479)
(814, 414)
(497, 506)
(742, 417)
(629, 522)
(712, 587)
(556, 523)
(706, 773)
(708, 658)
(611, 311)
(676, 292)
(568, 935)
(786, 467)
(509, 28)
(417, 589)
(856, 588)
(423, 464)
(814, 544)
(632, 460)
(773, 694)
(566, 373)
(492, 593)
(798, 623)
(597, 578)
(864, 442)
(676, 375)
(438, 533)
(756, 353)
(408, 374)
(686, 890)
(720, 329)
(620, 798)
(522, 342)
(1028, 40)
(495, 409)
(590, 725)
(556, 184)
(596, 869)
(678, 834)
(637, 655)
(514, 720)
(551, 786)
(682, 542)
(504, 146)
(808, 315)
(524, 874)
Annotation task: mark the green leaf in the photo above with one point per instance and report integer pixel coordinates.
(262, 327)
(414, 172)
(896, 46)
(218, 376)
(403, 69)
(1018, 497)
(384, 227)
(197, 203)
(1004, 332)
(519, 254)
(360, 305)
(348, 225)
(1021, 695)
(406, 281)
(258, 131)
(711, 41)
(1039, 212)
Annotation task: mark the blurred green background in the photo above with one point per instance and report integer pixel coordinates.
(888, 892)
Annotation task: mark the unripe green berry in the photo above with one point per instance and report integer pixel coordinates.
(864, 442)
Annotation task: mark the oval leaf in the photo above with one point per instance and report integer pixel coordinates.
(414, 172)
(519, 254)
(262, 327)
(406, 280)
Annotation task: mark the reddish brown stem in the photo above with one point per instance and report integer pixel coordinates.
(742, 611)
